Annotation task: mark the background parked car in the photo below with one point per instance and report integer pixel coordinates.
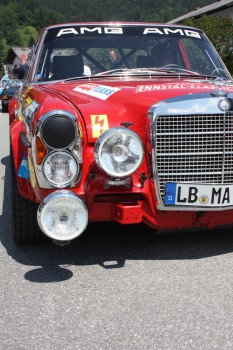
(8, 92)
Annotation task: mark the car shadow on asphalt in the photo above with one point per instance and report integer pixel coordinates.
(108, 245)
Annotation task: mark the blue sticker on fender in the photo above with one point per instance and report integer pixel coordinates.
(23, 169)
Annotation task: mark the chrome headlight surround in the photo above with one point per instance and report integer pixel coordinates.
(119, 152)
(59, 132)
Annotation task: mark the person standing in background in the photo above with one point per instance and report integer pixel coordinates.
(21, 71)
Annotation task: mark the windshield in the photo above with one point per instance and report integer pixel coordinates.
(83, 50)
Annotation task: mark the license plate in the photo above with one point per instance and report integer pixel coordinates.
(198, 195)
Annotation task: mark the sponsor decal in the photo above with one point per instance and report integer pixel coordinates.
(168, 31)
(26, 91)
(99, 124)
(28, 100)
(31, 173)
(157, 87)
(100, 91)
(30, 110)
(96, 30)
(117, 30)
(23, 168)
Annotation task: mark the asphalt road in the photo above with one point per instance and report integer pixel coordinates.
(114, 288)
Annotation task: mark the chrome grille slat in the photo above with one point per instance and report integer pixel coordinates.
(193, 148)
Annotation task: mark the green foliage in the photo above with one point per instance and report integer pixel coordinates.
(28, 36)
(8, 26)
(47, 16)
(219, 30)
(123, 10)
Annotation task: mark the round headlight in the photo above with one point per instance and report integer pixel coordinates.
(119, 152)
(62, 216)
(60, 168)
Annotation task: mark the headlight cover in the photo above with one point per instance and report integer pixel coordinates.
(60, 168)
(119, 152)
(58, 129)
(62, 216)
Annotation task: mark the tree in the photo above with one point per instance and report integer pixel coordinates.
(31, 41)
(8, 26)
(45, 17)
(219, 30)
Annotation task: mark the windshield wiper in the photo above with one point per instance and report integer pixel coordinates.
(178, 69)
(169, 69)
(120, 72)
(133, 71)
(160, 70)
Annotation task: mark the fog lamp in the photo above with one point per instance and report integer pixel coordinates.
(62, 216)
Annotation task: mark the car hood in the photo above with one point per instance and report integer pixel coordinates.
(116, 102)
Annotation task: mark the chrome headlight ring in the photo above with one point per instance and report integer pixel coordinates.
(119, 152)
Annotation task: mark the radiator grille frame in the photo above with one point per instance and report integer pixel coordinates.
(192, 148)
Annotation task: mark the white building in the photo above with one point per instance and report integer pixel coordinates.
(15, 57)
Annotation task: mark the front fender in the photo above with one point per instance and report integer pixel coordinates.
(18, 153)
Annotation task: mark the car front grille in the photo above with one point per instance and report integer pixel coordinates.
(193, 148)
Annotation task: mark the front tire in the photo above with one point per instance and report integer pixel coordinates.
(25, 228)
